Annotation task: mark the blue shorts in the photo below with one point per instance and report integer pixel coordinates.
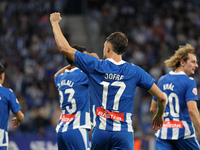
(180, 144)
(111, 140)
(77, 139)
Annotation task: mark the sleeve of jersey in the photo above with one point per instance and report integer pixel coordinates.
(145, 80)
(191, 90)
(85, 62)
(14, 103)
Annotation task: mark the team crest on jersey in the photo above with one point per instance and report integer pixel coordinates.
(17, 100)
(194, 91)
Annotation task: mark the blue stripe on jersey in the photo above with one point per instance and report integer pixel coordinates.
(112, 87)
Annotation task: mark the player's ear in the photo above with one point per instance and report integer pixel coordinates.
(182, 62)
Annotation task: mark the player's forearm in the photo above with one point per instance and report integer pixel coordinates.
(62, 70)
(194, 115)
(62, 43)
(161, 106)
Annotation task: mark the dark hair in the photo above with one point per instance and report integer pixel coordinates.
(77, 47)
(119, 42)
(2, 69)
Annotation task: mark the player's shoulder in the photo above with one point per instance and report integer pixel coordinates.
(6, 91)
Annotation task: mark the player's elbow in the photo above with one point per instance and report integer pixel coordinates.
(20, 116)
(162, 99)
(153, 111)
(192, 112)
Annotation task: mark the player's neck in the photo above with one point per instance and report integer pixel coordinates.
(178, 70)
(73, 66)
(115, 57)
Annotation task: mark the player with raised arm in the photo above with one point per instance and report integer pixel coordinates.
(72, 129)
(8, 101)
(112, 84)
(181, 110)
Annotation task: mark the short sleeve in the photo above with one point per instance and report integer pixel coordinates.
(191, 90)
(14, 103)
(85, 62)
(145, 80)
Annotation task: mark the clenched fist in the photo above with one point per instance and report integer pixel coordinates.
(55, 17)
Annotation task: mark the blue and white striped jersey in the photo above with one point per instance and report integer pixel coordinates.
(178, 89)
(112, 89)
(8, 101)
(74, 102)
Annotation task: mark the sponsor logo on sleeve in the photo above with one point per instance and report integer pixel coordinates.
(194, 91)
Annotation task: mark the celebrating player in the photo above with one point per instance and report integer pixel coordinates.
(72, 129)
(112, 84)
(8, 101)
(181, 110)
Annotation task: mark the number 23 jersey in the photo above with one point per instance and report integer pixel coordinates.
(74, 102)
(178, 89)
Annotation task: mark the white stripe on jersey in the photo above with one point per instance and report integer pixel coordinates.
(175, 132)
(76, 122)
(164, 131)
(129, 122)
(187, 130)
(102, 124)
(2, 133)
(94, 115)
(64, 129)
(84, 135)
(116, 125)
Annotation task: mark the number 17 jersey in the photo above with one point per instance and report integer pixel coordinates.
(112, 89)
(178, 89)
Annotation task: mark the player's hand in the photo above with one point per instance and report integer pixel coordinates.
(55, 17)
(15, 122)
(93, 54)
(157, 122)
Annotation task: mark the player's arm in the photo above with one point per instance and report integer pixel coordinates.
(19, 116)
(62, 43)
(62, 70)
(157, 122)
(153, 108)
(194, 114)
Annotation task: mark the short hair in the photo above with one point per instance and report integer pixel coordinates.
(2, 69)
(79, 48)
(180, 54)
(119, 42)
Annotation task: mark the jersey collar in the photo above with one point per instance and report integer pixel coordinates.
(66, 70)
(116, 63)
(178, 73)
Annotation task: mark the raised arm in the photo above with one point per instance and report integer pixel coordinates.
(62, 43)
(157, 122)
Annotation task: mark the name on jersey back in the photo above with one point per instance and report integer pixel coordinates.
(168, 87)
(113, 76)
(64, 82)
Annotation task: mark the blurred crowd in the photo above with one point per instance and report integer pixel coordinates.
(155, 29)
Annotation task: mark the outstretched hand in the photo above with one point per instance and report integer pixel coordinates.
(55, 17)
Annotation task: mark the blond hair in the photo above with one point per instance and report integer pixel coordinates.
(180, 54)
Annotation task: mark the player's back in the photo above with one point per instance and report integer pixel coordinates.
(74, 102)
(112, 89)
(114, 85)
(178, 89)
